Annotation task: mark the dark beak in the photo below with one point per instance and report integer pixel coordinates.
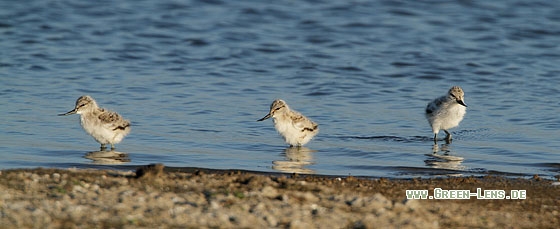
(68, 113)
(265, 117)
(462, 103)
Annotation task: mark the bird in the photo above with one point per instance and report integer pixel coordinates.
(105, 126)
(446, 112)
(296, 129)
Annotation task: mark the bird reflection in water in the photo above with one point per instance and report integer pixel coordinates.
(296, 160)
(104, 157)
(441, 158)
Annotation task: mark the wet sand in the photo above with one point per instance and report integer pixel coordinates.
(157, 197)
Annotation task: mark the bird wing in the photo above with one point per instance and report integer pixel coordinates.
(113, 120)
(302, 123)
(434, 105)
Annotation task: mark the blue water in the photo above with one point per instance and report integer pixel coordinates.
(194, 76)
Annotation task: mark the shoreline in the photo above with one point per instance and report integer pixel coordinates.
(155, 196)
(191, 169)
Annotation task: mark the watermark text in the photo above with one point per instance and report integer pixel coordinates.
(443, 194)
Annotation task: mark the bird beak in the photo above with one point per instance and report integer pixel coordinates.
(462, 103)
(68, 113)
(265, 117)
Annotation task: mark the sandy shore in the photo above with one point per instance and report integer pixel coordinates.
(153, 197)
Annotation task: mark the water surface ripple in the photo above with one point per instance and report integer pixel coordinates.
(194, 76)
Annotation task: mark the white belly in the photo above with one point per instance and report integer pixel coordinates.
(292, 135)
(101, 133)
(447, 117)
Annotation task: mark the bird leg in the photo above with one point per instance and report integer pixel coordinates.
(448, 137)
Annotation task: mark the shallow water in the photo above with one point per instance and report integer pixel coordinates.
(194, 76)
